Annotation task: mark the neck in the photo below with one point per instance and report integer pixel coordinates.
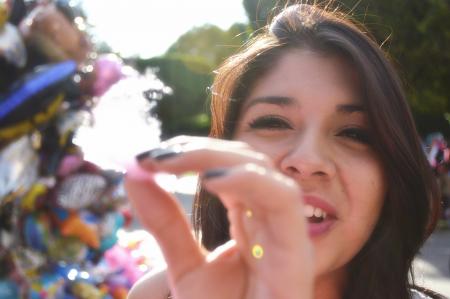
(331, 285)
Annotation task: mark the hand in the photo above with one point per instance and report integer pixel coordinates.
(264, 209)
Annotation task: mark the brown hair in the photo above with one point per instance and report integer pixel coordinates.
(410, 211)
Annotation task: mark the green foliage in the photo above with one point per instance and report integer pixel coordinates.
(184, 111)
(187, 68)
(417, 35)
(258, 11)
(211, 43)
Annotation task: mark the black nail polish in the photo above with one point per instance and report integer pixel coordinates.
(158, 154)
(214, 173)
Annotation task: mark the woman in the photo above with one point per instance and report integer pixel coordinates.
(316, 168)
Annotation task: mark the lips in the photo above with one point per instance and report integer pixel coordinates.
(320, 214)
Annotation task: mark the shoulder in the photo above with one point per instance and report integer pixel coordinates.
(153, 285)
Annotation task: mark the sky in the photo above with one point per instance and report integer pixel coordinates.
(149, 27)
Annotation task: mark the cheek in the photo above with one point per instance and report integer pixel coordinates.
(365, 189)
(272, 148)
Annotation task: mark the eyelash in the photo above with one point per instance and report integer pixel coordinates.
(271, 122)
(357, 134)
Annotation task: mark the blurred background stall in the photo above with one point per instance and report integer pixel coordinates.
(62, 205)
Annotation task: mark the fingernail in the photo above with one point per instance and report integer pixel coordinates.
(158, 154)
(214, 173)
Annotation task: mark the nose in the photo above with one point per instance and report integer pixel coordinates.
(307, 158)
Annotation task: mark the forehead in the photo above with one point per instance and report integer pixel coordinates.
(308, 76)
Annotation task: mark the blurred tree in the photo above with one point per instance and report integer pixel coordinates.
(187, 68)
(184, 111)
(102, 47)
(211, 43)
(259, 11)
(416, 33)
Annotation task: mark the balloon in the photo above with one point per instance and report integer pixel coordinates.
(70, 164)
(108, 242)
(111, 223)
(19, 165)
(42, 80)
(49, 31)
(4, 13)
(37, 231)
(108, 70)
(18, 10)
(108, 228)
(72, 9)
(80, 190)
(33, 100)
(12, 47)
(28, 201)
(67, 249)
(119, 293)
(27, 260)
(13, 55)
(120, 259)
(48, 285)
(8, 289)
(84, 290)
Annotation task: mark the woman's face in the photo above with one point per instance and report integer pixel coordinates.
(307, 115)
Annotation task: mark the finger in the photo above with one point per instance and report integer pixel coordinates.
(274, 200)
(198, 154)
(164, 218)
(264, 188)
(236, 228)
(273, 235)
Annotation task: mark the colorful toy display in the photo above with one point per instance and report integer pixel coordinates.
(60, 214)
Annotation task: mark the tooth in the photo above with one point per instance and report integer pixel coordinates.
(318, 212)
(309, 211)
(324, 215)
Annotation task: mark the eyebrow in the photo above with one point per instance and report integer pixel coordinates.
(288, 101)
(350, 108)
(273, 100)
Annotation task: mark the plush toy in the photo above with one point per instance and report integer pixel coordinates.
(83, 226)
(122, 261)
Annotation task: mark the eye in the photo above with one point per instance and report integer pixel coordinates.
(359, 135)
(270, 122)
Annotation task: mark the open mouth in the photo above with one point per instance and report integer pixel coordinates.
(315, 214)
(320, 216)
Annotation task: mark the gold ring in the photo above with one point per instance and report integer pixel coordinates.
(257, 251)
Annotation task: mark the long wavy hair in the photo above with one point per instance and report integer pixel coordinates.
(382, 267)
